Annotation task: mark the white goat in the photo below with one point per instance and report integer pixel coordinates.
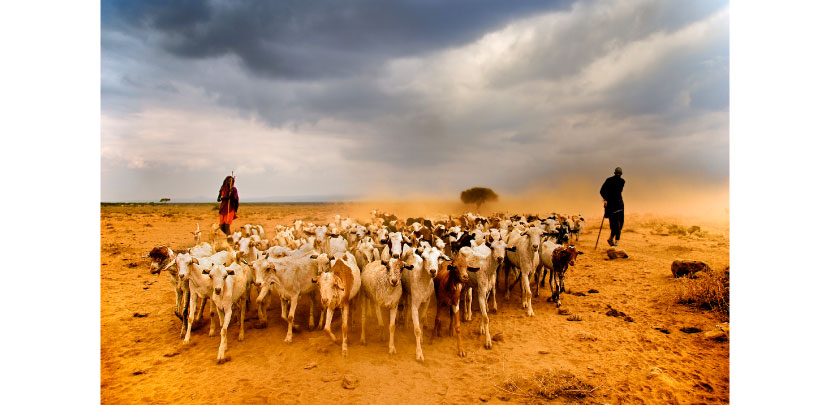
(381, 290)
(419, 288)
(230, 286)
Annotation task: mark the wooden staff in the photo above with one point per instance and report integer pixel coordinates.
(600, 231)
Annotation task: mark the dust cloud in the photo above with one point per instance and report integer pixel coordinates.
(681, 198)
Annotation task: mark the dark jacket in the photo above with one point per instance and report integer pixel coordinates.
(232, 200)
(611, 192)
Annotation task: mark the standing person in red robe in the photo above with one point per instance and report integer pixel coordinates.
(230, 204)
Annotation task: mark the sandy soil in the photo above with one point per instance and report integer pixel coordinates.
(142, 359)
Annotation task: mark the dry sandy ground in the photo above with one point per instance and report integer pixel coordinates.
(142, 359)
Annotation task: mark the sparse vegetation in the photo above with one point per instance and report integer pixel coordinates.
(549, 384)
(667, 229)
(709, 291)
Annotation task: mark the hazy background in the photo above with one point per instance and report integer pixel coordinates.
(418, 100)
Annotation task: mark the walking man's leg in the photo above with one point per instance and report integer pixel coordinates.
(620, 221)
(615, 221)
(612, 222)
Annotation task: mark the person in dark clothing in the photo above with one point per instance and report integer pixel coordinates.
(230, 204)
(611, 193)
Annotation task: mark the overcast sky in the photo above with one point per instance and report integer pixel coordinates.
(403, 98)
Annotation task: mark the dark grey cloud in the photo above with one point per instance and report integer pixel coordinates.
(312, 39)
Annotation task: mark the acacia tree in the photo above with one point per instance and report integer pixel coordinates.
(478, 196)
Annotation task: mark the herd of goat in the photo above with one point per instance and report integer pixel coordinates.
(385, 264)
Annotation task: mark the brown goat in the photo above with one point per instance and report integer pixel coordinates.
(562, 257)
(451, 277)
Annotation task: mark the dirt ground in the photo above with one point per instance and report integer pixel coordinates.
(143, 360)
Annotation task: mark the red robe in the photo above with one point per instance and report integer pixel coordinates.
(229, 206)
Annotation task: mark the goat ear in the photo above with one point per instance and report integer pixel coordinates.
(450, 267)
(194, 260)
(579, 252)
(231, 273)
(473, 269)
(205, 271)
(511, 249)
(312, 257)
(409, 267)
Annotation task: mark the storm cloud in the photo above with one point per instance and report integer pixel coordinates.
(398, 98)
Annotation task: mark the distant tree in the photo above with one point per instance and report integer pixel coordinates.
(164, 200)
(478, 196)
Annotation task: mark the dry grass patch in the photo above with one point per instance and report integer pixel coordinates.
(548, 384)
(709, 290)
(666, 229)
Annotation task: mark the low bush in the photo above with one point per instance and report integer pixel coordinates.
(708, 290)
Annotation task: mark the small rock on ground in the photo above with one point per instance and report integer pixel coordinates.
(616, 253)
(349, 382)
(683, 267)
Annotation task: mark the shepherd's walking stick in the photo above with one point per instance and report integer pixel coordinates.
(600, 232)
